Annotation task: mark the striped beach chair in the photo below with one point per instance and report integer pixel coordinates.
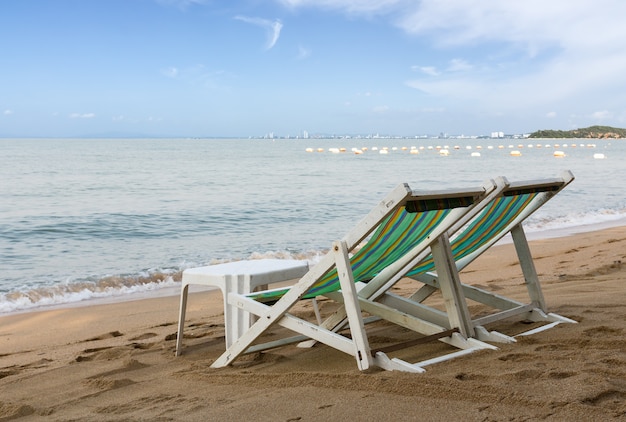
(404, 229)
(501, 213)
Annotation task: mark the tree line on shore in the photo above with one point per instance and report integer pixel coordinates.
(591, 132)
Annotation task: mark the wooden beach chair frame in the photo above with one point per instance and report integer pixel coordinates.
(456, 330)
(491, 223)
(506, 308)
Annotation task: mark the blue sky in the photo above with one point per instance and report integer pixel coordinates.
(251, 67)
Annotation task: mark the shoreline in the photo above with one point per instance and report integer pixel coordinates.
(174, 290)
(116, 360)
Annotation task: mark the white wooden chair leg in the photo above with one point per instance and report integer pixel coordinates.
(181, 318)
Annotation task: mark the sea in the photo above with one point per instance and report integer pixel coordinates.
(83, 220)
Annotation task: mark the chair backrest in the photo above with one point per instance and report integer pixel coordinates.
(496, 218)
(406, 227)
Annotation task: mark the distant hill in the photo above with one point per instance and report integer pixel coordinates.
(591, 132)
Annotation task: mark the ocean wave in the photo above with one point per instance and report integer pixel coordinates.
(122, 286)
(600, 217)
(73, 292)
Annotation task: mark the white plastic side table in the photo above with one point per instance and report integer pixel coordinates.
(239, 277)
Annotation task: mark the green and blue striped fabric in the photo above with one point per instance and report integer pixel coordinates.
(403, 230)
(489, 223)
(395, 236)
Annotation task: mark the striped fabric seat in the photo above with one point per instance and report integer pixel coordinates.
(403, 230)
(399, 233)
(487, 227)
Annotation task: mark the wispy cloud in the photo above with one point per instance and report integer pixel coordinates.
(303, 52)
(181, 4)
(272, 28)
(544, 44)
(199, 75)
(380, 109)
(82, 116)
(428, 70)
(546, 36)
(459, 65)
(7, 112)
(602, 115)
(510, 55)
(349, 6)
(170, 72)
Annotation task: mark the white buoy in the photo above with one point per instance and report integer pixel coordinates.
(516, 153)
(475, 154)
(599, 156)
(559, 154)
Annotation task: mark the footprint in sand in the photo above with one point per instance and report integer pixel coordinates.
(558, 375)
(611, 399)
(602, 331)
(111, 334)
(10, 411)
(102, 353)
(516, 357)
(107, 384)
(144, 336)
(8, 373)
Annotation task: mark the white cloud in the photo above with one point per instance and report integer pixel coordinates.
(381, 109)
(602, 115)
(181, 4)
(429, 70)
(459, 65)
(565, 58)
(349, 6)
(82, 116)
(567, 55)
(272, 28)
(198, 75)
(551, 114)
(303, 52)
(7, 112)
(170, 72)
(531, 56)
(533, 24)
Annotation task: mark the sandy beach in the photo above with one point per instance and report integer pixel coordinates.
(116, 361)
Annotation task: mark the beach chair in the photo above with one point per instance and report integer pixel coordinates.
(501, 213)
(400, 231)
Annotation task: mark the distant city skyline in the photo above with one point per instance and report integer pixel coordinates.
(200, 68)
(306, 135)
